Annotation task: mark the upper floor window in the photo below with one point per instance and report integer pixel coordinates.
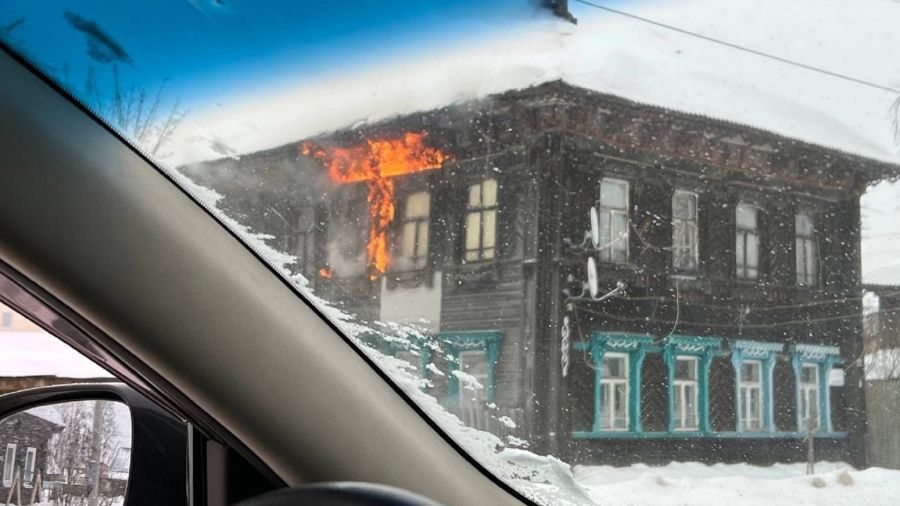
(685, 235)
(481, 221)
(747, 242)
(614, 392)
(686, 394)
(28, 473)
(806, 250)
(750, 396)
(809, 397)
(613, 215)
(414, 231)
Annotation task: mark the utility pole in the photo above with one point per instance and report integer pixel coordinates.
(94, 465)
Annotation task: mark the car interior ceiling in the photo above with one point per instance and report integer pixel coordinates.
(176, 296)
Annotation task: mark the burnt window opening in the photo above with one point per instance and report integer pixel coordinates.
(613, 214)
(806, 250)
(481, 221)
(685, 232)
(746, 242)
(413, 245)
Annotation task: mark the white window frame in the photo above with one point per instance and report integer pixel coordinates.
(9, 464)
(690, 237)
(419, 226)
(471, 410)
(745, 399)
(805, 407)
(806, 249)
(681, 386)
(28, 472)
(742, 269)
(607, 408)
(481, 252)
(611, 239)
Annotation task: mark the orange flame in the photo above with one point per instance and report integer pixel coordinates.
(326, 272)
(374, 162)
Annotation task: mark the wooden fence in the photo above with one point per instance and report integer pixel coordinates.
(883, 403)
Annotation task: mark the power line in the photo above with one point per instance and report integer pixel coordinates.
(738, 47)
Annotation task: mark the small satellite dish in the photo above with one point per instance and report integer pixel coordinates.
(593, 284)
(595, 227)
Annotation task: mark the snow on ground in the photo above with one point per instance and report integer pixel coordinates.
(690, 483)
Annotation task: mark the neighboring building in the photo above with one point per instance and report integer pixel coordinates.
(739, 248)
(24, 441)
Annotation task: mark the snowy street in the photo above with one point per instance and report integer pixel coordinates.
(690, 483)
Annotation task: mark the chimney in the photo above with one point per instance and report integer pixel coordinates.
(560, 9)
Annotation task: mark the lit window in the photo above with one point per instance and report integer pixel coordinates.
(684, 231)
(9, 464)
(750, 398)
(472, 398)
(613, 215)
(807, 251)
(614, 392)
(481, 221)
(747, 242)
(28, 475)
(686, 415)
(809, 397)
(414, 231)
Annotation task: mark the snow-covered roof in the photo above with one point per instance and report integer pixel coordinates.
(618, 56)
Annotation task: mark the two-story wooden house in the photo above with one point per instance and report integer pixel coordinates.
(730, 256)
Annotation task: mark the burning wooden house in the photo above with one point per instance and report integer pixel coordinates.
(720, 316)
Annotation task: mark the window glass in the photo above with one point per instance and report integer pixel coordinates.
(685, 233)
(613, 219)
(747, 242)
(481, 221)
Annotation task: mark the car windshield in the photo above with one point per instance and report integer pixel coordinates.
(622, 252)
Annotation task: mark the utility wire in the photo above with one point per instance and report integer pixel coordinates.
(744, 49)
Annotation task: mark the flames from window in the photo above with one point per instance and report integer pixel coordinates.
(374, 163)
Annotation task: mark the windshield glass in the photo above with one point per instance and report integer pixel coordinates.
(622, 252)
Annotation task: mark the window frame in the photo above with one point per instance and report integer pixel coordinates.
(9, 464)
(678, 388)
(607, 408)
(805, 407)
(28, 471)
(471, 411)
(745, 400)
(482, 210)
(419, 259)
(606, 251)
(806, 275)
(742, 269)
(694, 223)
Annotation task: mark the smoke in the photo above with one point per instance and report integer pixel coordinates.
(101, 47)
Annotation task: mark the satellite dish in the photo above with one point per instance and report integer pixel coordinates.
(595, 227)
(593, 284)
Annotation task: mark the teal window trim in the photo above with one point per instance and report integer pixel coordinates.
(765, 352)
(704, 349)
(636, 346)
(710, 435)
(824, 357)
(422, 348)
(473, 340)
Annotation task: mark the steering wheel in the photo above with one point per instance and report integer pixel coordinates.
(339, 494)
